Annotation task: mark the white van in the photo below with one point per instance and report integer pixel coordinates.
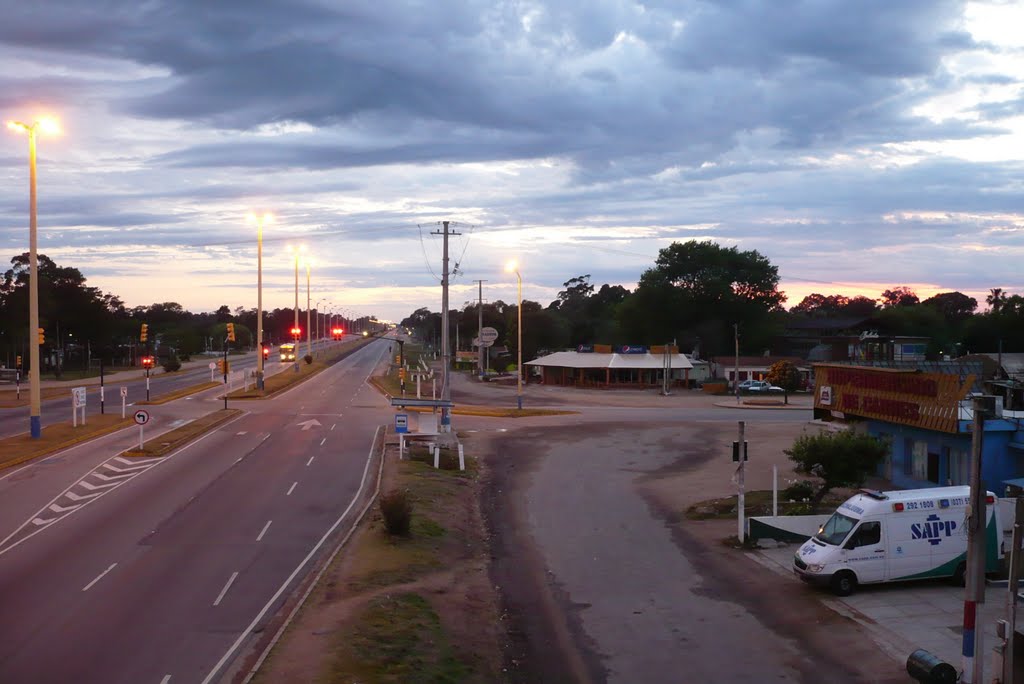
(892, 536)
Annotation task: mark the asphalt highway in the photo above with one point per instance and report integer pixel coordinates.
(16, 420)
(162, 571)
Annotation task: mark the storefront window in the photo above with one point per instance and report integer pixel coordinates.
(920, 461)
(958, 467)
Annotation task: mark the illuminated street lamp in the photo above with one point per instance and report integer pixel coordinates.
(48, 126)
(513, 267)
(259, 220)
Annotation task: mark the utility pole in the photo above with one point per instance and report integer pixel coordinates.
(741, 499)
(975, 590)
(736, 371)
(446, 390)
(480, 327)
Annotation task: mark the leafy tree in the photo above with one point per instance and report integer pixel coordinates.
(860, 306)
(786, 375)
(954, 306)
(821, 305)
(899, 296)
(995, 299)
(695, 283)
(839, 459)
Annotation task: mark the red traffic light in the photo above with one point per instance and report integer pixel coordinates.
(296, 331)
(147, 361)
(266, 351)
(337, 331)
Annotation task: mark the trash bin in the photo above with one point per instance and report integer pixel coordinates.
(927, 668)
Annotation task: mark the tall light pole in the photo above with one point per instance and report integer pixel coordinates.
(309, 311)
(514, 268)
(259, 220)
(35, 397)
(295, 336)
(318, 314)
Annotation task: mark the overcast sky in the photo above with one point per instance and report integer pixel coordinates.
(858, 145)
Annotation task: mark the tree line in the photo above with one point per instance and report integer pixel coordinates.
(81, 324)
(697, 291)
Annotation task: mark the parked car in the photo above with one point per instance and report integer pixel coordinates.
(760, 387)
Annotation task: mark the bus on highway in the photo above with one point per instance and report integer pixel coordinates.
(287, 352)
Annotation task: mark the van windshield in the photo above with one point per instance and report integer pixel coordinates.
(835, 530)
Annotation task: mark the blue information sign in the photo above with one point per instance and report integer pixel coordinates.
(401, 422)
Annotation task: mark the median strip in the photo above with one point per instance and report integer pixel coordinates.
(169, 441)
(22, 448)
(285, 379)
(178, 394)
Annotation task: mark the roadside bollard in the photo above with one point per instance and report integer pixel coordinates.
(927, 668)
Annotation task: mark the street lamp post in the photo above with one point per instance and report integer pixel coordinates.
(259, 220)
(295, 336)
(309, 311)
(514, 268)
(319, 335)
(35, 397)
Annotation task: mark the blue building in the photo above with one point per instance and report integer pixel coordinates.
(927, 418)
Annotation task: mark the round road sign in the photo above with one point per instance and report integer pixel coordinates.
(212, 365)
(141, 417)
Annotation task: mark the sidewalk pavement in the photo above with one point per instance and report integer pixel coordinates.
(905, 616)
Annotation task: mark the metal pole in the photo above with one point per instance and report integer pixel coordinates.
(1012, 589)
(480, 327)
(309, 311)
(225, 372)
(102, 411)
(519, 343)
(259, 302)
(741, 499)
(975, 590)
(35, 397)
(736, 371)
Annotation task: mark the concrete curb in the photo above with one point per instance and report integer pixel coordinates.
(755, 407)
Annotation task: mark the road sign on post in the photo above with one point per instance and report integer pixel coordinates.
(488, 336)
(141, 418)
(77, 402)
(401, 423)
(124, 395)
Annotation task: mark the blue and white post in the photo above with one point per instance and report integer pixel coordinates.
(975, 589)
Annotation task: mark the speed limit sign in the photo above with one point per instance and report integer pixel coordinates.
(141, 417)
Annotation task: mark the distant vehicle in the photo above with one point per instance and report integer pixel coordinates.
(287, 352)
(760, 387)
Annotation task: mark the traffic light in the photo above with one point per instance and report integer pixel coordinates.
(266, 350)
(296, 332)
(144, 333)
(223, 366)
(42, 336)
(231, 332)
(147, 361)
(17, 362)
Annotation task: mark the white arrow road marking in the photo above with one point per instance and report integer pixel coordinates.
(89, 585)
(43, 521)
(225, 589)
(306, 424)
(114, 478)
(63, 509)
(95, 487)
(76, 497)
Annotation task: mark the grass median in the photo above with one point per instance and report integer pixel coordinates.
(169, 441)
(22, 448)
(286, 378)
(178, 394)
(410, 608)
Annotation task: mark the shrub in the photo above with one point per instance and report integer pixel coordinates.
(798, 491)
(397, 511)
(308, 358)
(172, 364)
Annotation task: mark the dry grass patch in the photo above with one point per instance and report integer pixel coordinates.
(22, 448)
(169, 441)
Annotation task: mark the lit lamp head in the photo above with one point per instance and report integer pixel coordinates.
(512, 266)
(45, 125)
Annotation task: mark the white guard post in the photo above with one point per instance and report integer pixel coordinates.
(124, 396)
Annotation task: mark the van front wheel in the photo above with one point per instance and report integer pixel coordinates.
(843, 583)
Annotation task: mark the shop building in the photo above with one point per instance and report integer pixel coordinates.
(927, 418)
(623, 366)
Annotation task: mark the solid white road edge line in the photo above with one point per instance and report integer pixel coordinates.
(54, 500)
(264, 531)
(231, 580)
(88, 586)
(284, 585)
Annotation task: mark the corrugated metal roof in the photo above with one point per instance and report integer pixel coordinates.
(571, 359)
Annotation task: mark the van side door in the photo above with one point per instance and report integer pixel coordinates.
(865, 551)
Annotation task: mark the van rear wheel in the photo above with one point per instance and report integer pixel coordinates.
(843, 583)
